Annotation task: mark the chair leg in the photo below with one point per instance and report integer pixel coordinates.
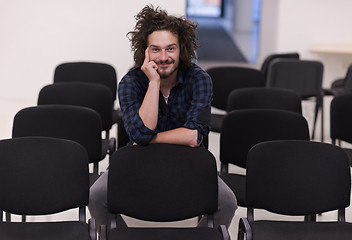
(316, 111)
(322, 118)
(319, 106)
(244, 230)
(224, 232)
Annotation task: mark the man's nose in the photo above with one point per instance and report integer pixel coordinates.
(163, 55)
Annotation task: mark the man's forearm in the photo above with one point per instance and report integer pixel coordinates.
(150, 106)
(179, 136)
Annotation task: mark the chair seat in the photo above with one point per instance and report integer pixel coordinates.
(334, 91)
(237, 183)
(48, 230)
(216, 122)
(265, 230)
(165, 233)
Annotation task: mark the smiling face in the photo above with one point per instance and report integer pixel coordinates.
(164, 50)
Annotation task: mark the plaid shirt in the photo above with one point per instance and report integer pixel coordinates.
(188, 105)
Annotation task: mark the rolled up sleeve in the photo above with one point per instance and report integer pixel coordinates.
(130, 101)
(198, 115)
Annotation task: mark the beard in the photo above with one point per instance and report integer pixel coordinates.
(167, 72)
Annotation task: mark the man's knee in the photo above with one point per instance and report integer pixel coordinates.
(227, 198)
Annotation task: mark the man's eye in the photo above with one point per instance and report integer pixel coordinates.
(155, 50)
(171, 49)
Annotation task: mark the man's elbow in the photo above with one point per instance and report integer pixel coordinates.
(142, 140)
(193, 139)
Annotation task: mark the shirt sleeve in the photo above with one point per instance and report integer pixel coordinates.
(198, 116)
(131, 93)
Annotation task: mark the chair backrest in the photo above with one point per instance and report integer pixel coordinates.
(40, 175)
(92, 72)
(165, 182)
(264, 98)
(298, 177)
(265, 65)
(242, 129)
(79, 124)
(302, 76)
(341, 118)
(226, 79)
(348, 80)
(91, 95)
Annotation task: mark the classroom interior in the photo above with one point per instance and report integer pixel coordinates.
(38, 35)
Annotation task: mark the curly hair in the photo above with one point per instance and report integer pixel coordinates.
(150, 20)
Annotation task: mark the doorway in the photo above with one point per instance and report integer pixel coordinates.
(205, 8)
(239, 19)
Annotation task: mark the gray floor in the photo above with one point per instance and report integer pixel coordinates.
(216, 44)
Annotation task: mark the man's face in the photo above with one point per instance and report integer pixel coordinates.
(164, 50)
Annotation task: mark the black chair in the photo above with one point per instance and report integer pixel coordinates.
(267, 61)
(296, 178)
(165, 183)
(242, 129)
(42, 176)
(94, 72)
(264, 98)
(79, 124)
(226, 79)
(341, 86)
(91, 95)
(303, 76)
(340, 121)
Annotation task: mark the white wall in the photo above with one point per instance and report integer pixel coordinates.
(37, 35)
(297, 25)
(289, 25)
(268, 28)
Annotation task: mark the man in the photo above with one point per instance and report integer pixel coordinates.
(166, 98)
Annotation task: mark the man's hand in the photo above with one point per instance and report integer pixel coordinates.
(150, 105)
(150, 68)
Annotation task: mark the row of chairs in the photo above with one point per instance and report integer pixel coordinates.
(95, 73)
(257, 115)
(131, 161)
(286, 126)
(79, 112)
(265, 133)
(99, 116)
(263, 114)
(296, 178)
(79, 106)
(286, 71)
(143, 183)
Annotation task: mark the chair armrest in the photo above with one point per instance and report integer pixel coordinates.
(224, 232)
(119, 116)
(92, 229)
(112, 146)
(338, 83)
(244, 229)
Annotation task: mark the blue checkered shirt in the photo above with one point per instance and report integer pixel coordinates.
(188, 105)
